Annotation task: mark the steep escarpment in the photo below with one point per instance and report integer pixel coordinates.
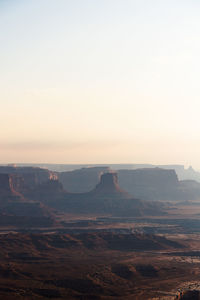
(106, 198)
(7, 191)
(157, 184)
(29, 187)
(190, 189)
(49, 192)
(24, 178)
(149, 184)
(144, 183)
(15, 209)
(81, 180)
(108, 187)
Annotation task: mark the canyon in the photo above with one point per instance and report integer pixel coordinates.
(98, 233)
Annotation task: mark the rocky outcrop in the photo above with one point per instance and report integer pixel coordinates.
(82, 180)
(14, 205)
(190, 189)
(150, 183)
(147, 183)
(25, 178)
(107, 198)
(7, 191)
(157, 184)
(184, 173)
(108, 187)
(47, 192)
(5, 183)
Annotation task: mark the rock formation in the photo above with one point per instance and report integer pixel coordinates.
(13, 204)
(47, 192)
(81, 180)
(107, 198)
(158, 184)
(27, 177)
(147, 183)
(108, 187)
(7, 191)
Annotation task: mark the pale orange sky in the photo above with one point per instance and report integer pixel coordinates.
(100, 81)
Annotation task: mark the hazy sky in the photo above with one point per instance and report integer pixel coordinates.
(98, 81)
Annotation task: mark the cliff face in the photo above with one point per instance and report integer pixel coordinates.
(147, 184)
(47, 192)
(150, 184)
(108, 187)
(13, 204)
(82, 180)
(183, 173)
(107, 198)
(5, 183)
(7, 191)
(154, 177)
(31, 185)
(27, 177)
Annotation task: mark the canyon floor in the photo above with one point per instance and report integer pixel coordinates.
(103, 257)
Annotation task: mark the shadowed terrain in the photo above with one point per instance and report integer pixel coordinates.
(99, 244)
(96, 266)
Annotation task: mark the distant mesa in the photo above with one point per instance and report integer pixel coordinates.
(15, 209)
(109, 187)
(30, 176)
(7, 191)
(107, 198)
(152, 184)
(68, 172)
(48, 192)
(96, 191)
(33, 192)
(82, 180)
(144, 183)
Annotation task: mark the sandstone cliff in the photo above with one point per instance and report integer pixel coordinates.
(106, 198)
(82, 180)
(13, 204)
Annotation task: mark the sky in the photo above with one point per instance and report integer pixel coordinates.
(110, 81)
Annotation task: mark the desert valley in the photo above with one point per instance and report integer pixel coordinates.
(85, 234)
